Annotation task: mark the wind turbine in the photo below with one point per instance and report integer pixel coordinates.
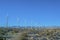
(7, 20)
(6, 25)
(18, 21)
(31, 24)
(0, 22)
(25, 21)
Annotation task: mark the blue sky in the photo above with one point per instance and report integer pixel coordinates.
(30, 12)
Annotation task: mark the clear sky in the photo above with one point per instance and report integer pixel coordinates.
(30, 12)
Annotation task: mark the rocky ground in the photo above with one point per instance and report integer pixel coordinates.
(49, 34)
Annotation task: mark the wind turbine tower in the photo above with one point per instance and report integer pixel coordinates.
(7, 20)
(18, 22)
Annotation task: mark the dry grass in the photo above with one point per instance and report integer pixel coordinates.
(47, 33)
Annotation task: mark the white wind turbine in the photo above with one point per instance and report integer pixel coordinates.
(25, 21)
(7, 20)
(31, 24)
(18, 21)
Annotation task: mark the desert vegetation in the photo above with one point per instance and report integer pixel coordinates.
(30, 34)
